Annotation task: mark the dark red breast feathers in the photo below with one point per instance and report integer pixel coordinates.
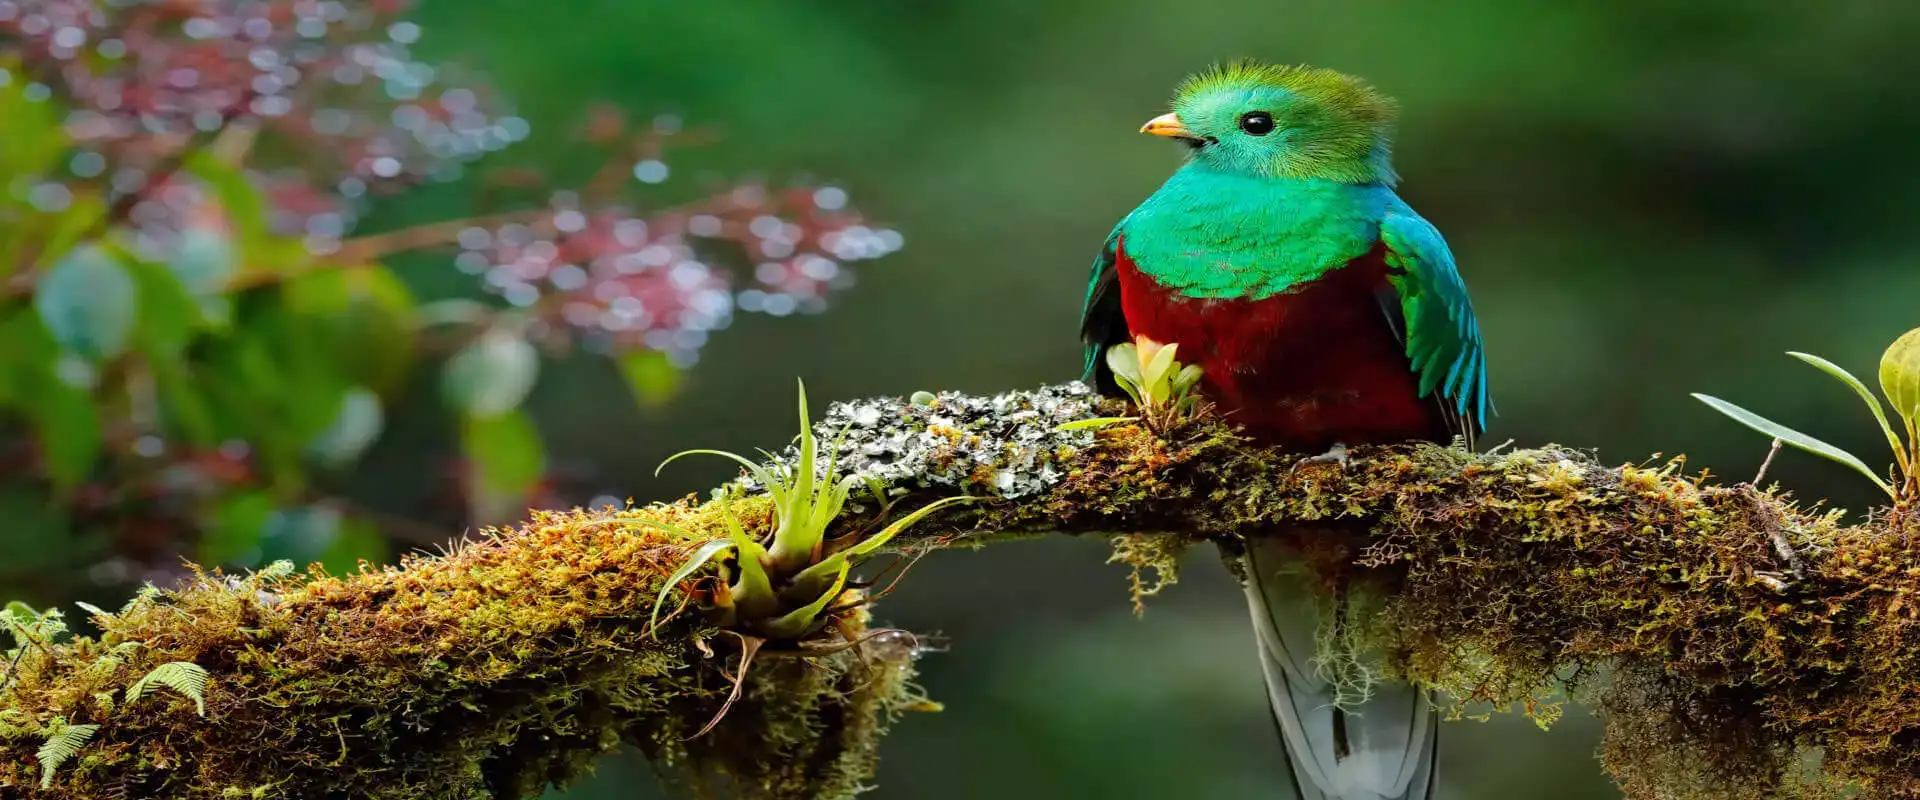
(1315, 365)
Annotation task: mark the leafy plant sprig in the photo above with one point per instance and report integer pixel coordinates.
(1158, 384)
(1899, 381)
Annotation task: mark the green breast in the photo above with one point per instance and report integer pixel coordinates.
(1212, 234)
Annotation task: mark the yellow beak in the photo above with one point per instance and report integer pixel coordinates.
(1168, 125)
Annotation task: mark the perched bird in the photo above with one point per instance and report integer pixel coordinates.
(1325, 313)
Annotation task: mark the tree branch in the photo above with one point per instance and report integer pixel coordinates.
(512, 661)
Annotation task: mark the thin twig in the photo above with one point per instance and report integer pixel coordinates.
(1767, 462)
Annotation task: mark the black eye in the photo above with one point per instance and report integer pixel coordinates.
(1258, 123)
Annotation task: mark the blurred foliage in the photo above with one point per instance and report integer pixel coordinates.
(200, 347)
(1647, 200)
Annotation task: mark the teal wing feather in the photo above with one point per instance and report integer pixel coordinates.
(1442, 334)
(1103, 323)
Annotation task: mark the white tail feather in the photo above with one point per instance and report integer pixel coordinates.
(1380, 749)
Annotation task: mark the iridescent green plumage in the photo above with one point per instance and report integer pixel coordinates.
(1249, 217)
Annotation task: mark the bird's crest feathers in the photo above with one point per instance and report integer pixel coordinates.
(1330, 125)
(1317, 85)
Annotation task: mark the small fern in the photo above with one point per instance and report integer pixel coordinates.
(278, 570)
(62, 742)
(30, 627)
(184, 677)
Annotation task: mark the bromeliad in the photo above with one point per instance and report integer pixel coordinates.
(1322, 313)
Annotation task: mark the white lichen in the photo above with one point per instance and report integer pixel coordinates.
(1008, 445)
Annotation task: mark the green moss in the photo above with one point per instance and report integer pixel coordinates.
(493, 671)
(1659, 598)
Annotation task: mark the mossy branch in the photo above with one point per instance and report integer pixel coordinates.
(511, 662)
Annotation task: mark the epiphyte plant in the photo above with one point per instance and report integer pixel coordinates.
(781, 586)
(1158, 384)
(1899, 381)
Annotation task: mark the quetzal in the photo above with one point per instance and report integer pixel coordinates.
(1324, 313)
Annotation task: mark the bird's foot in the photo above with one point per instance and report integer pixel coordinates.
(1337, 456)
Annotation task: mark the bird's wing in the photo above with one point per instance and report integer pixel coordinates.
(1442, 335)
(1103, 323)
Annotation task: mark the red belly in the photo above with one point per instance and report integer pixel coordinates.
(1303, 369)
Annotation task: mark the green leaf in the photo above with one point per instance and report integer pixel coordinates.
(1124, 360)
(795, 536)
(1185, 381)
(185, 677)
(507, 455)
(358, 425)
(808, 583)
(800, 619)
(169, 315)
(491, 375)
(366, 315)
(64, 229)
(653, 379)
(753, 589)
(701, 555)
(22, 614)
(760, 473)
(31, 128)
(31, 627)
(1157, 375)
(1093, 422)
(880, 539)
(67, 424)
(1900, 377)
(1793, 437)
(89, 303)
(183, 405)
(234, 534)
(243, 208)
(275, 381)
(1840, 374)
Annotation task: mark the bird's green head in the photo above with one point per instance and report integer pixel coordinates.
(1283, 122)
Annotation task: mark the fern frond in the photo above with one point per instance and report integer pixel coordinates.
(28, 626)
(184, 677)
(62, 742)
(274, 571)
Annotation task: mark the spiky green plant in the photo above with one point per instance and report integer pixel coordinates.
(780, 587)
(1899, 381)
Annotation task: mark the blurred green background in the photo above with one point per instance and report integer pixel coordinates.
(1646, 202)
